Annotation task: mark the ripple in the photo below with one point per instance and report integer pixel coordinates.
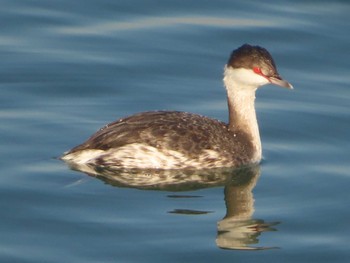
(159, 22)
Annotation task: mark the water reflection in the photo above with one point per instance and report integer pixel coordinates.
(237, 230)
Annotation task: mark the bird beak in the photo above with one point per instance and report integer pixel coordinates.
(277, 80)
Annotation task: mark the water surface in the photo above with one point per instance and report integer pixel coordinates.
(68, 68)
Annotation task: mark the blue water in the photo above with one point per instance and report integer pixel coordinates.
(69, 67)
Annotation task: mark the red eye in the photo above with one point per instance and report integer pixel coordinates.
(257, 70)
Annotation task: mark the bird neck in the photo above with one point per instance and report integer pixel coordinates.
(241, 104)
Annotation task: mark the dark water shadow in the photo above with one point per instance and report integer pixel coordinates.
(237, 230)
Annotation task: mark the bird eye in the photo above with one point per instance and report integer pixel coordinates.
(257, 70)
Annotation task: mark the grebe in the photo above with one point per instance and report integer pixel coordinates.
(181, 140)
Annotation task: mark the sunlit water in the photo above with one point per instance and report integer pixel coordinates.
(69, 67)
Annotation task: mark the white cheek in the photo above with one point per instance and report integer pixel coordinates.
(244, 77)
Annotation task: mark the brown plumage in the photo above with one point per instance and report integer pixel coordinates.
(184, 132)
(174, 140)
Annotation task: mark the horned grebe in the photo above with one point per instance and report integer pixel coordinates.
(179, 140)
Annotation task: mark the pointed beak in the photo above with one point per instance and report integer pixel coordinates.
(277, 80)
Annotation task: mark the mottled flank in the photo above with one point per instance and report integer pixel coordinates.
(167, 140)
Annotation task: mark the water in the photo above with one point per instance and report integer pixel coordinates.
(69, 67)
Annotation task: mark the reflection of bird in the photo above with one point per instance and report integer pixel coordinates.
(177, 140)
(242, 234)
(237, 230)
(162, 179)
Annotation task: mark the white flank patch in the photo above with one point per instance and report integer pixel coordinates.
(83, 157)
(141, 156)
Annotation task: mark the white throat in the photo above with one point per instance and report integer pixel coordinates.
(241, 85)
